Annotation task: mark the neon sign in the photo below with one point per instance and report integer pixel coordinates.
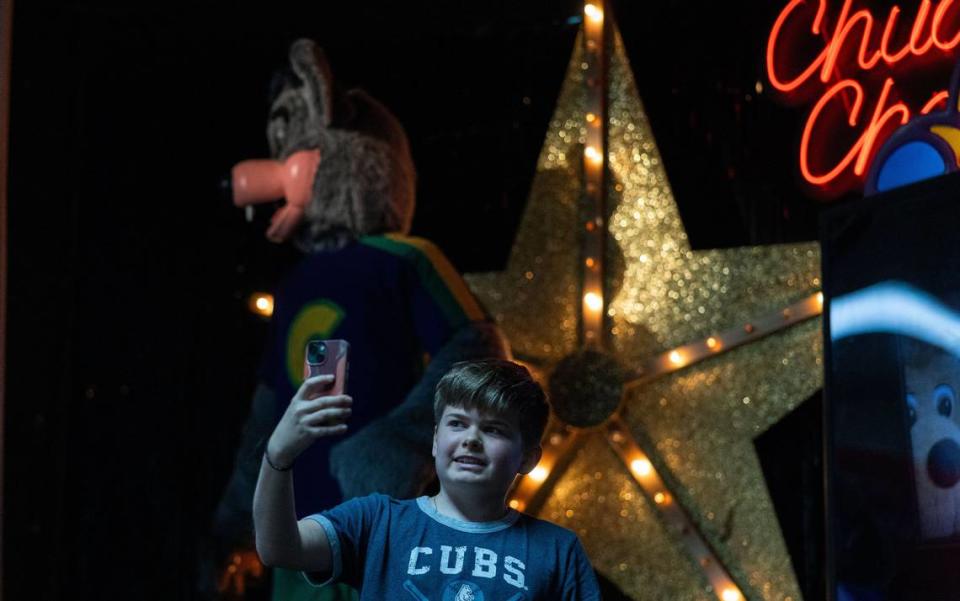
(851, 66)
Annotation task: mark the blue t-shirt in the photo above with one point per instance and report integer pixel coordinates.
(393, 549)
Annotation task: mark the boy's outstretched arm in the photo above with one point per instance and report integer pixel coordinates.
(281, 540)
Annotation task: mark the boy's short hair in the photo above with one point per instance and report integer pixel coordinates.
(495, 386)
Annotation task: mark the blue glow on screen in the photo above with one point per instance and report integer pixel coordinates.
(895, 308)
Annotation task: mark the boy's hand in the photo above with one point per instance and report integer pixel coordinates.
(308, 417)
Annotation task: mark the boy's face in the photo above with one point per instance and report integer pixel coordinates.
(480, 449)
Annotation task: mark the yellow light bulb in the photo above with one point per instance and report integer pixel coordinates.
(514, 504)
(820, 299)
(539, 473)
(593, 155)
(593, 12)
(676, 358)
(591, 117)
(712, 343)
(730, 594)
(593, 301)
(262, 304)
(641, 467)
(660, 498)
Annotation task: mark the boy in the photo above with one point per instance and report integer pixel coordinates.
(463, 543)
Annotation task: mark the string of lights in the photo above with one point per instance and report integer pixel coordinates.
(594, 160)
(559, 442)
(671, 512)
(694, 352)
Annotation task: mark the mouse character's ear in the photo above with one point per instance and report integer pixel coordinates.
(310, 64)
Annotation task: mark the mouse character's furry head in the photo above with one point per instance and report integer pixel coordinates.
(365, 183)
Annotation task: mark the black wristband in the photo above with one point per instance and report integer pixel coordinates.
(274, 465)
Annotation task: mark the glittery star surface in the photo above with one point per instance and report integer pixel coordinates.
(700, 422)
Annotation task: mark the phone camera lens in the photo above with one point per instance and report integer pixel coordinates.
(316, 352)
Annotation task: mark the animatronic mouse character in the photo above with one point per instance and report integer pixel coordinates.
(342, 163)
(932, 379)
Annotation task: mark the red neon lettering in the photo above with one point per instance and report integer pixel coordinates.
(812, 121)
(844, 27)
(862, 149)
(922, 39)
(772, 44)
(917, 30)
(885, 41)
(936, 100)
(934, 31)
(877, 124)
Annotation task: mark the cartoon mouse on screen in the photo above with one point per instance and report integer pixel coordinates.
(932, 380)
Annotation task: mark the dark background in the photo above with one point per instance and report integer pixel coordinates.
(131, 351)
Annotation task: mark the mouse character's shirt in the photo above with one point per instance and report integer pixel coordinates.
(393, 549)
(396, 300)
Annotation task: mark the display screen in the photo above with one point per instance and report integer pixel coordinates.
(892, 290)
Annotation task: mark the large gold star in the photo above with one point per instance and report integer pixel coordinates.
(694, 425)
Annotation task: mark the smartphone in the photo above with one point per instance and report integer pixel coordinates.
(328, 357)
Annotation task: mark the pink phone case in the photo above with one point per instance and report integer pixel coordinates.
(328, 357)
